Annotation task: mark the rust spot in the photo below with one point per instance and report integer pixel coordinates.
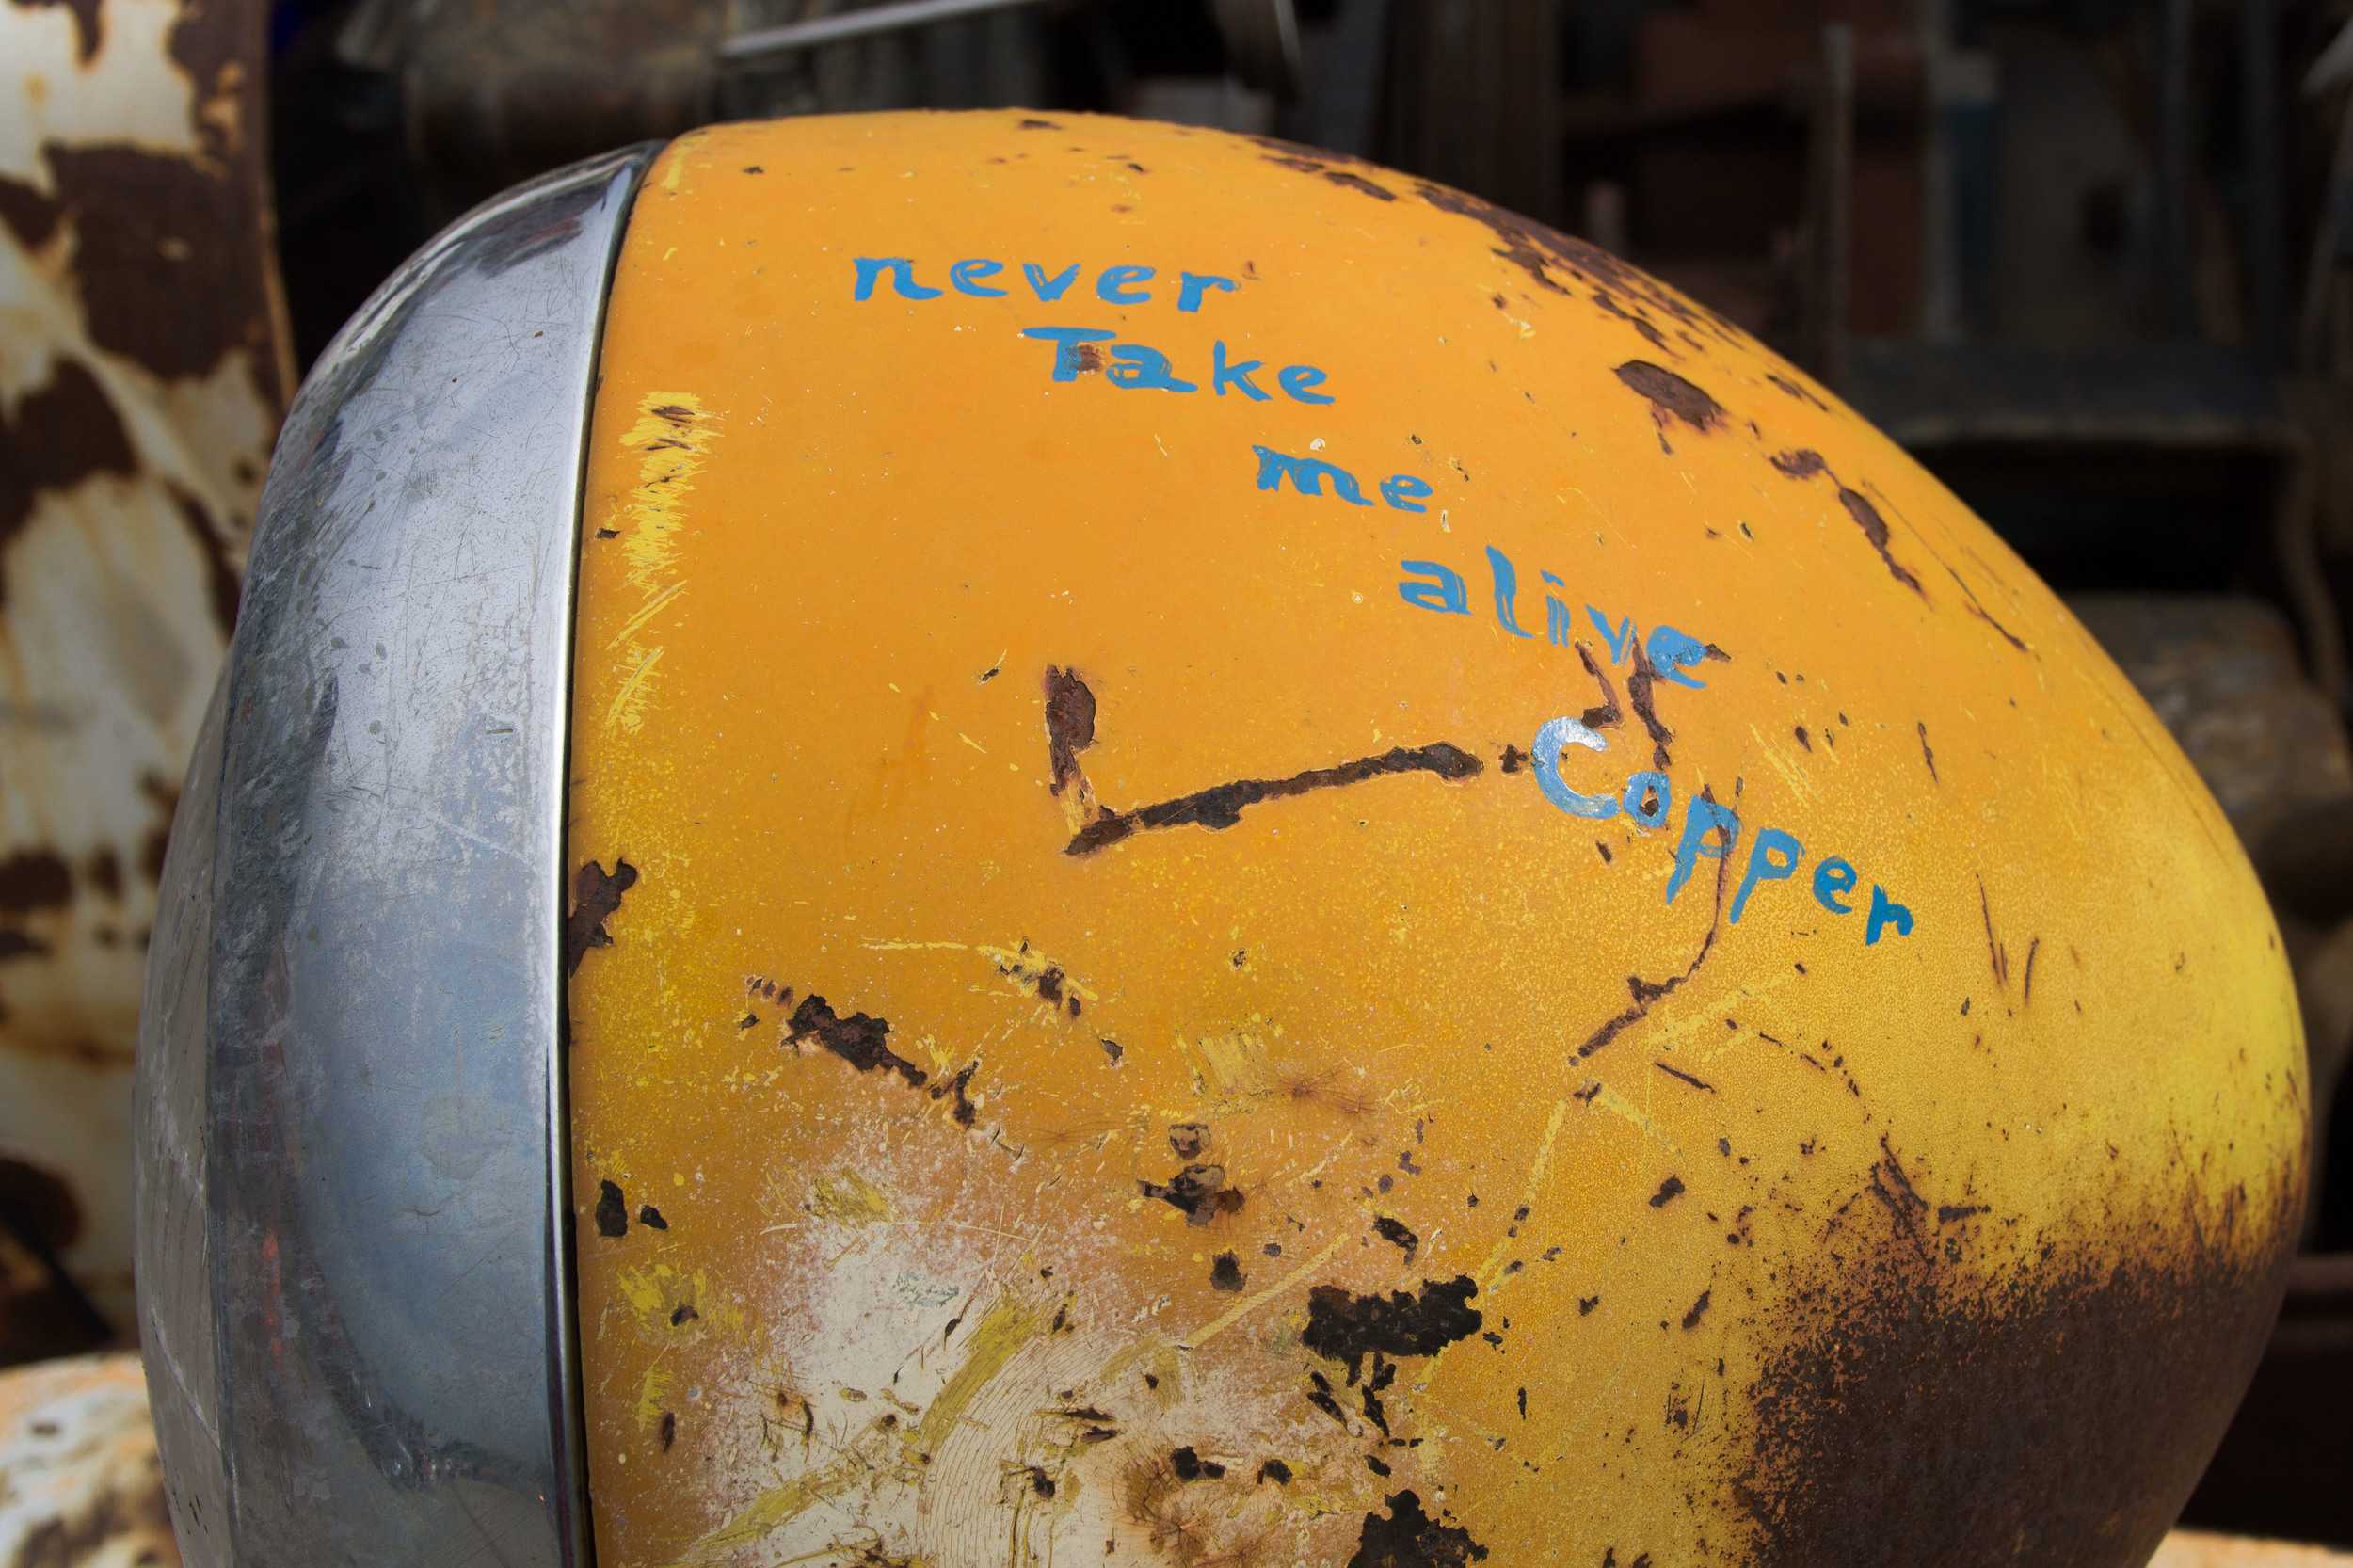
(1225, 1272)
(651, 1217)
(1605, 714)
(1275, 1471)
(1866, 516)
(1188, 1140)
(1031, 122)
(1668, 1191)
(1186, 1464)
(1679, 1073)
(1409, 1538)
(1978, 610)
(963, 1110)
(1672, 398)
(1345, 1327)
(1607, 305)
(669, 1430)
(1524, 243)
(1070, 725)
(1927, 755)
(1222, 807)
(1638, 685)
(596, 897)
(1699, 1310)
(1346, 181)
(1396, 1233)
(1320, 1395)
(1199, 1190)
(1806, 463)
(860, 1040)
(1797, 390)
(612, 1210)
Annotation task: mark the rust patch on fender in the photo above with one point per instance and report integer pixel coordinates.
(1345, 1327)
(1409, 1538)
(2058, 1411)
(860, 1039)
(596, 897)
(1221, 806)
(1797, 390)
(1806, 463)
(1198, 1190)
(1866, 516)
(1538, 250)
(1070, 725)
(1672, 398)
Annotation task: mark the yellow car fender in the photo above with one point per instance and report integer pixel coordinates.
(1266, 867)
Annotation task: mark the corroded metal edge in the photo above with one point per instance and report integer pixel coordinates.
(351, 1187)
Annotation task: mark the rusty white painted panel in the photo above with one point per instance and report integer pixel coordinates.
(142, 374)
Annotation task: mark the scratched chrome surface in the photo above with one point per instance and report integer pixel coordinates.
(356, 1305)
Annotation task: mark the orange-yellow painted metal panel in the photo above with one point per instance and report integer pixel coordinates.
(1124, 1010)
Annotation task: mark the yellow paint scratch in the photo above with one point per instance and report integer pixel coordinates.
(629, 704)
(672, 440)
(1782, 765)
(652, 607)
(851, 1199)
(653, 1397)
(1009, 1323)
(1492, 1270)
(1626, 1111)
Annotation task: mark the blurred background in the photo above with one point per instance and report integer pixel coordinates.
(2090, 261)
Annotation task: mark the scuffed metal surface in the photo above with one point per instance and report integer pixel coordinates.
(142, 374)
